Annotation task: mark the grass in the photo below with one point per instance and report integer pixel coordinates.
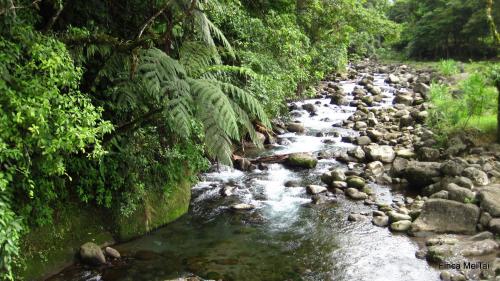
(448, 67)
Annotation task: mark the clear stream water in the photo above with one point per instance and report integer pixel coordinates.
(285, 237)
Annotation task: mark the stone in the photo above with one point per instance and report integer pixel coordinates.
(452, 167)
(489, 199)
(375, 135)
(375, 168)
(242, 207)
(357, 153)
(381, 221)
(485, 219)
(363, 140)
(460, 194)
(295, 127)
(227, 190)
(443, 194)
(479, 177)
(360, 125)
(309, 107)
(428, 154)
(327, 178)
(405, 153)
(113, 253)
(446, 216)
(315, 189)
(242, 164)
(401, 226)
(338, 175)
(355, 194)
(356, 182)
(339, 100)
(494, 226)
(383, 153)
(421, 174)
(423, 89)
(356, 217)
(399, 165)
(338, 184)
(392, 79)
(292, 183)
(91, 253)
(395, 216)
(301, 160)
(455, 146)
(405, 99)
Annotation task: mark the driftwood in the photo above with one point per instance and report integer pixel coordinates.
(279, 158)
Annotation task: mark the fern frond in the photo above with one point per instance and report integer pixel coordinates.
(157, 69)
(246, 100)
(245, 121)
(197, 56)
(217, 143)
(207, 28)
(225, 69)
(179, 108)
(210, 100)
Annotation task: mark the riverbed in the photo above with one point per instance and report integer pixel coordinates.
(286, 236)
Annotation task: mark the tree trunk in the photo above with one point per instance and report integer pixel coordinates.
(498, 113)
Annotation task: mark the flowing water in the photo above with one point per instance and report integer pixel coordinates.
(285, 237)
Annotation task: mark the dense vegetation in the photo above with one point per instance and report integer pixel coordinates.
(102, 100)
(446, 28)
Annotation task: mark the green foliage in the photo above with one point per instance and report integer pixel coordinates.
(44, 118)
(472, 106)
(448, 67)
(105, 102)
(444, 28)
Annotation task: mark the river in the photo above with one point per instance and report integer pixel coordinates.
(285, 237)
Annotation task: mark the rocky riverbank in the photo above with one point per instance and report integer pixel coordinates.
(353, 187)
(457, 210)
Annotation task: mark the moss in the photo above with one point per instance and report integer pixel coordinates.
(301, 160)
(49, 248)
(157, 210)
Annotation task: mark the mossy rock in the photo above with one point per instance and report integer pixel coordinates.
(301, 160)
(157, 209)
(356, 182)
(48, 249)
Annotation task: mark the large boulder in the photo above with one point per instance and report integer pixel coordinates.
(92, 254)
(421, 174)
(301, 160)
(446, 216)
(489, 198)
(382, 153)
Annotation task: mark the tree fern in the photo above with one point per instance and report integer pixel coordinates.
(246, 100)
(212, 101)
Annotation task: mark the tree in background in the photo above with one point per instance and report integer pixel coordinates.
(443, 28)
